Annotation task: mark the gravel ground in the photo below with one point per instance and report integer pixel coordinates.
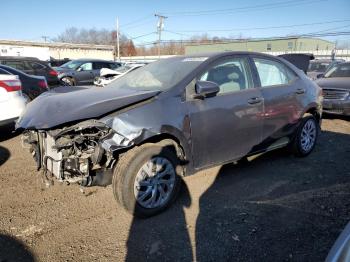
(274, 208)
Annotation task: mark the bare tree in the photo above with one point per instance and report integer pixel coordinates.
(89, 36)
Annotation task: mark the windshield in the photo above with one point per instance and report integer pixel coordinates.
(341, 70)
(72, 64)
(160, 75)
(318, 66)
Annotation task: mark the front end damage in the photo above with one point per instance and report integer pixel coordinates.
(75, 154)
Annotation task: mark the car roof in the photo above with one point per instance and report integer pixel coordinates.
(226, 53)
(19, 58)
(93, 60)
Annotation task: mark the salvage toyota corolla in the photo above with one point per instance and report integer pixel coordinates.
(171, 118)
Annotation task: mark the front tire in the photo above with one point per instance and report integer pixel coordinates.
(306, 137)
(68, 81)
(145, 180)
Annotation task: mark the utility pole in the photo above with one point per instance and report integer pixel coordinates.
(160, 27)
(45, 37)
(118, 49)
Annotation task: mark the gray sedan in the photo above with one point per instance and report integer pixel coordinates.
(169, 119)
(83, 71)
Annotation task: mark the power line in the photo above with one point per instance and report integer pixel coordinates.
(258, 28)
(244, 9)
(136, 37)
(149, 21)
(137, 20)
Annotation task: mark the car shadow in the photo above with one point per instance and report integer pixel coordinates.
(276, 207)
(334, 116)
(163, 237)
(8, 132)
(12, 249)
(4, 155)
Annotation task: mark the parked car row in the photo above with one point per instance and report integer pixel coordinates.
(32, 66)
(83, 71)
(69, 72)
(32, 86)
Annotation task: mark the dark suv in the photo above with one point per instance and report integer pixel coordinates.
(83, 71)
(172, 118)
(32, 66)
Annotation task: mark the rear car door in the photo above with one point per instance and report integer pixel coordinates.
(227, 126)
(283, 93)
(85, 74)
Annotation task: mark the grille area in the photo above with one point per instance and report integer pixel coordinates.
(332, 94)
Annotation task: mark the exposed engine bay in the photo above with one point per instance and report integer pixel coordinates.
(73, 154)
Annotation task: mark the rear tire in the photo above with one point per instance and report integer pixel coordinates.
(306, 137)
(145, 180)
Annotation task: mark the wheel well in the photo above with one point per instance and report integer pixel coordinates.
(70, 77)
(314, 112)
(167, 139)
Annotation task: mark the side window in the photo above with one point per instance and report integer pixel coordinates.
(273, 73)
(114, 65)
(16, 64)
(86, 67)
(37, 66)
(231, 75)
(100, 65)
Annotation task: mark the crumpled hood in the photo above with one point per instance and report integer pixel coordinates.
(334, 82)
(67, 104)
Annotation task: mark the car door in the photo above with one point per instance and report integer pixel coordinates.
(85, 74)
(227, 126)
(283, 93)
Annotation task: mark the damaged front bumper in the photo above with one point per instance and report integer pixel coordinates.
(84, 153)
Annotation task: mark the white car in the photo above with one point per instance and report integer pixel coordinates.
(108, 75)
(12, 103)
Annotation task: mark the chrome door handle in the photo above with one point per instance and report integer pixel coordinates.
(254, 100)
(300, 91)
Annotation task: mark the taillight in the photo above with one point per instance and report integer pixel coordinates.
(43, 84)
(53, 73)
(11, 85)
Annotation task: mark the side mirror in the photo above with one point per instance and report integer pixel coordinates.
(320, 76)
(79, 69)
(205, 89)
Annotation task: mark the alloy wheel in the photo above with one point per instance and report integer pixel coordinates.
(308, 135)
(154, 182)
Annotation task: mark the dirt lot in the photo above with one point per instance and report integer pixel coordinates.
(275, 208)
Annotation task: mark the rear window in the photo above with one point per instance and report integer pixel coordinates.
(37, 66)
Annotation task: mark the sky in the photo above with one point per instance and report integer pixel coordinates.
(30, 20)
